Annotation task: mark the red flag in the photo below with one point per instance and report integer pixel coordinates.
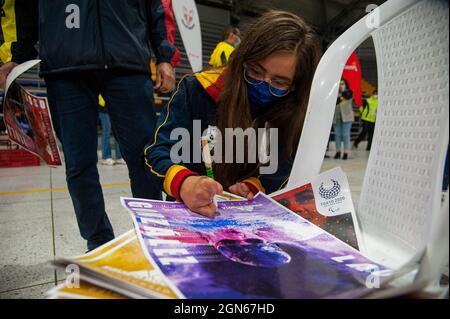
(352, 74)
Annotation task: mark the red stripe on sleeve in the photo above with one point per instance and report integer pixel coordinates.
(169, 21)
(252, 188)
(178, 180)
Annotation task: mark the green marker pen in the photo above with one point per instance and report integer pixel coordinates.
(207, 157)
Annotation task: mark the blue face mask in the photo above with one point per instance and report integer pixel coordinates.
(260, 96)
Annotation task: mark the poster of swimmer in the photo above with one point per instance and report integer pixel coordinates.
(250, 249)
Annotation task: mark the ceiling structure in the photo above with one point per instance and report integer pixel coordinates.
(329, 17)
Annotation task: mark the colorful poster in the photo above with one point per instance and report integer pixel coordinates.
(326, 202)
(85, 290)
(250, 249)
(119, 266)
(27, 119)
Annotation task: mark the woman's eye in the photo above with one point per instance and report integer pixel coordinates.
(281, 84)
(256, 72)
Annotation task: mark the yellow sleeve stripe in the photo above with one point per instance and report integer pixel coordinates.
(159, 127)
(101, 101)
(8, 25)
(208, 78)
(170, 174)
(5, 52)
(284, 183)
(255, 182)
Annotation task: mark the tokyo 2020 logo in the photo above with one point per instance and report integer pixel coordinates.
(330, 192)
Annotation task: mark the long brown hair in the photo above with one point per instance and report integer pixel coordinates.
(274, 31)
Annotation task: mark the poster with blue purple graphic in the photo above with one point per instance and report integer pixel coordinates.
(250, 249)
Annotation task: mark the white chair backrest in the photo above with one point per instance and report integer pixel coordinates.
(324, 90)
(401, 188)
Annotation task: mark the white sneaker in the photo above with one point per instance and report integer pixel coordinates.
(108, 161)
(121, 162)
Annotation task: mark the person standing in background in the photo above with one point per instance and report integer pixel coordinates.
(231, 38)
(105, 124)
(368, 118)
(343, 119)
(89, 48)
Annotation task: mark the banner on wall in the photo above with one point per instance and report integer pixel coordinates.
(188, 22)
(352, 74)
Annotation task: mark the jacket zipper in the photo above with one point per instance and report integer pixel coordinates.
(100, 31)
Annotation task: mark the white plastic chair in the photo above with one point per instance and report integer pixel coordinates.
(400, 214)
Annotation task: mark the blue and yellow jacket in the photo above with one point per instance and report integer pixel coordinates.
(196, 98)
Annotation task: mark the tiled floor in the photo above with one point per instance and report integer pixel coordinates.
(37, 221)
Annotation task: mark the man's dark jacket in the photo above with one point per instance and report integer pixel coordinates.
(76, 35)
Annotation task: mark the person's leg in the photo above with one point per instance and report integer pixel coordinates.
(129, 99)
(370, 130)
(338, 138)
(73, 106)
(328, 146)
(361, 135)
(118, 154)
(346, 129)
(106, 133)
(445, 179)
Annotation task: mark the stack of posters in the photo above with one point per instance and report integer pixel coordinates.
(250, 249)
(118, 269)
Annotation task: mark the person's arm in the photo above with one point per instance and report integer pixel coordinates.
(267, 183)
(197, 192)
(176, 114)
(277, 181)
(162, 38)
(162, 32)
(363, 106)
(19, 25)
(248, 187)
